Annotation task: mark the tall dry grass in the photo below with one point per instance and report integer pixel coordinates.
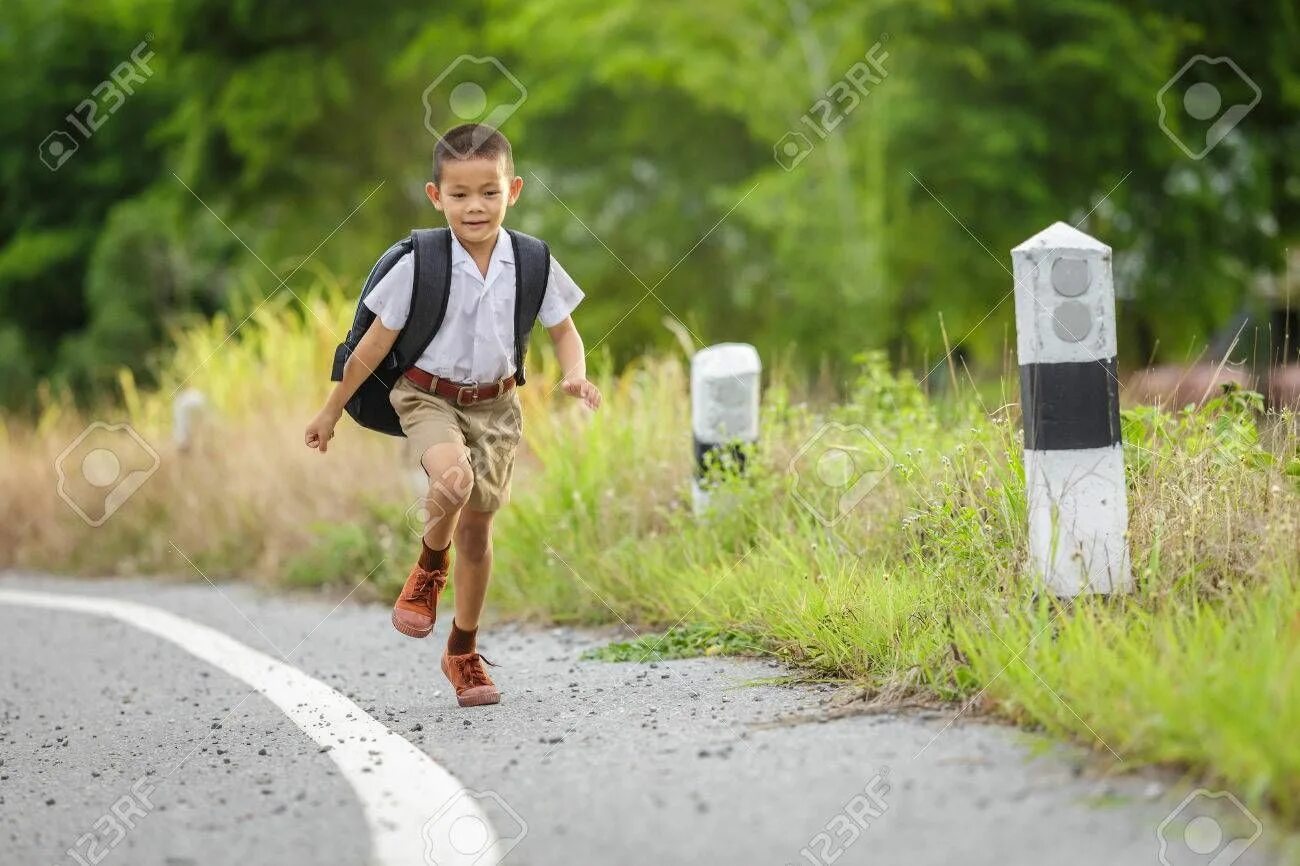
(244, 498)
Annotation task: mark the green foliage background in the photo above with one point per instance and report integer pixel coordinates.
(647, 127)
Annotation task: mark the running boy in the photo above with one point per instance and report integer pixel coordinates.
(466, 448)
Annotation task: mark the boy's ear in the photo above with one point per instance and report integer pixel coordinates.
(515, 186)
(434, 196)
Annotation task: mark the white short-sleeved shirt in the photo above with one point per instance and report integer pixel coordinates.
(476, 342)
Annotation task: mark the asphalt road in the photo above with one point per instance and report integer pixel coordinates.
(140, 741)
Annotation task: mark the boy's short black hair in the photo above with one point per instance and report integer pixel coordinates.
(471, 141)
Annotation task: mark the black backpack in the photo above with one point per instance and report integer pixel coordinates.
(430, 289)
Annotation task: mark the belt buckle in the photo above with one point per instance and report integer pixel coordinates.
(460, 391)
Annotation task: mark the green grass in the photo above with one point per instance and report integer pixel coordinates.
(1189, 683)
(677, 643)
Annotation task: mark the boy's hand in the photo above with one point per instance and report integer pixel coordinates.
(320, 430)
(588, 391)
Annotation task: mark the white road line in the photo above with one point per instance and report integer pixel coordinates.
(400, 787)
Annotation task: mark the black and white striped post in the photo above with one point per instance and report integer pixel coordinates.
(1069, 395)
(724, 407)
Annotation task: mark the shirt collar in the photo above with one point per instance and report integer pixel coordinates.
(503, 253)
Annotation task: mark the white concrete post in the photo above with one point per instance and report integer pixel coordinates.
(1069, 395)
(189, 413)
(724, 405)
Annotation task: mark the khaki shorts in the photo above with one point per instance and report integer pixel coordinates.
(490, 429)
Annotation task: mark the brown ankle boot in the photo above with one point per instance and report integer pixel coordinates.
(474, 687)
(417, 607)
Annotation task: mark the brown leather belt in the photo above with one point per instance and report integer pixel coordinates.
(461, 395)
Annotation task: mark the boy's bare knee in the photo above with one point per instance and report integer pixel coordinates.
(443, 456)
(451, 477)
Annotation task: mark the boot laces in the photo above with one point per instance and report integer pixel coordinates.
(425, 583)
(470, 668)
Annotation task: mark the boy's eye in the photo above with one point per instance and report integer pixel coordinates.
(458, 195)
(491, 192)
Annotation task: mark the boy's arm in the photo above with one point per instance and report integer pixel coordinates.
(573, 362)
(370, 352)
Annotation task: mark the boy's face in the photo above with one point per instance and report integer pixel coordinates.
(474, 195)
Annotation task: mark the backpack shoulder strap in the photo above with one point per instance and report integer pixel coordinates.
(430, 288)
(534, 258)
(385, 264)
(361, 321)
(532, 274)
(363, 317)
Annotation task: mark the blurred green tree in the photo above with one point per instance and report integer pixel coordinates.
(275, 142)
